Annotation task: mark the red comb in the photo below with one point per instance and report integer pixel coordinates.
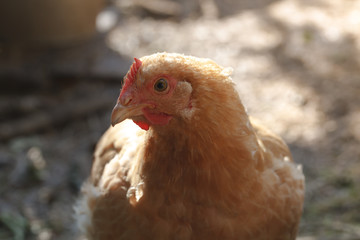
(130, 77)
(133, 70)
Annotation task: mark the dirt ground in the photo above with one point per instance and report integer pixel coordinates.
(296, 65)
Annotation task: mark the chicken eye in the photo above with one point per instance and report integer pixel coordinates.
(161, 85)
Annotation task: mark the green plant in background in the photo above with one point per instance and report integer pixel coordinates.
(14, 226)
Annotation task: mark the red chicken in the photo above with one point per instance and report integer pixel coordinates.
(197, 168)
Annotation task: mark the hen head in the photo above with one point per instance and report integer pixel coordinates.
(160, 87)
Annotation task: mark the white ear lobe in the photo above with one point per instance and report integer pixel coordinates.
(183, 93)
(184, 88)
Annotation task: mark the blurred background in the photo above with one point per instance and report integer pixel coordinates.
(296, 65)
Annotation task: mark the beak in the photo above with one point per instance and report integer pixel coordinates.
(120, 112)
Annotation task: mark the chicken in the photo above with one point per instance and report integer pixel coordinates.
(184, 161)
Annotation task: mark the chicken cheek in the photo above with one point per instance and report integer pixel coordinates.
(179, 101)
(157, 118)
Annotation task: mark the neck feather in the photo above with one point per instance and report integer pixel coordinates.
(214, 148)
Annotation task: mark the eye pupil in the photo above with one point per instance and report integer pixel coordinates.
(161, 85)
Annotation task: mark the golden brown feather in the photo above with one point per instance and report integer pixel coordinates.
(203, 170)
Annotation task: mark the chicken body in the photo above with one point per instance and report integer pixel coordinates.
(202, 170)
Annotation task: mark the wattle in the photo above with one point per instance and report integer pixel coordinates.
(142, 125)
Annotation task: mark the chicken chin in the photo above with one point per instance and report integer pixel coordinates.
(156, 118)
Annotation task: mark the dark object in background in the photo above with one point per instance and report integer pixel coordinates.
(45, 22)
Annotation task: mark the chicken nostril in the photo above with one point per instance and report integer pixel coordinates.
(126, 101)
